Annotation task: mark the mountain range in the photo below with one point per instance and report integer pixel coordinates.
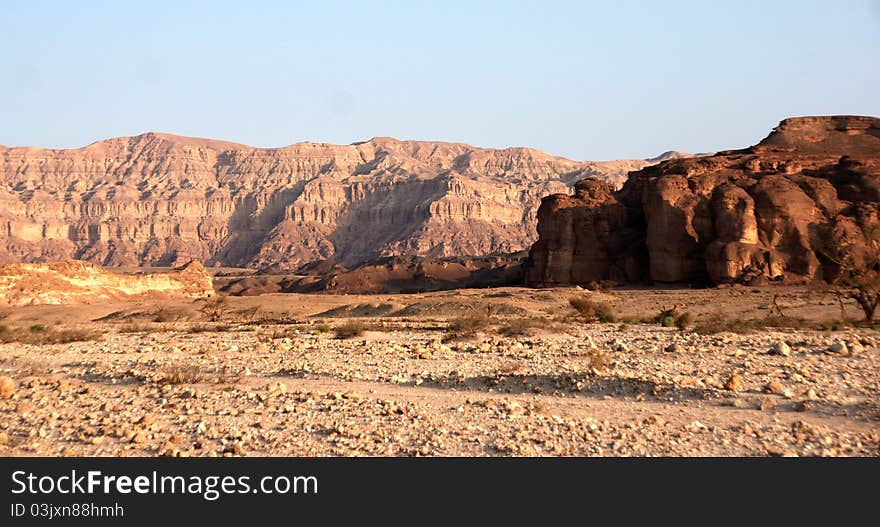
(163, 200)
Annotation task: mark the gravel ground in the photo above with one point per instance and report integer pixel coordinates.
(566, 389)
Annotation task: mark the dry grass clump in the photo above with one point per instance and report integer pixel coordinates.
(248, 315)
(350, 329)
(597, 360)
(39, 335)
(522, 326)
(717, 323)
(685, 321)
(208, 328)
(465, 327)
(592, 311)
(136, 327)
(192, 374)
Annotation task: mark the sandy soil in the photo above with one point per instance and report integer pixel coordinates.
(273, 379)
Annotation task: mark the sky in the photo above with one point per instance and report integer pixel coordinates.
(581, 79)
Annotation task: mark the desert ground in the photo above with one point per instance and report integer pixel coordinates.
(480, 372)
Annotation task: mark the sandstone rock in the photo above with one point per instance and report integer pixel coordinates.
(737, 216)
(774, 387)
(855, 348)
(161, 200)
(838, 348)
(7, 387)
(780, 348)
(734, 382)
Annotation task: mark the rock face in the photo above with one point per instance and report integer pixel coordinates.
(737, 216)
(72, 282)
(161, 200)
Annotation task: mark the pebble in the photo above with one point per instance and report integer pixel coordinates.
(7, 387)
(780, 348)
(856, 348)
(534, 411)
(734, 382)
(774, 387)
(838, 348)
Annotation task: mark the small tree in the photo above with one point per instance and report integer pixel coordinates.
(858, 267)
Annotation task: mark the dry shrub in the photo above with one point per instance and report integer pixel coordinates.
(717, 323)
(856, 259)
(248, 315)
(215, 309)
(208, 328)
(597, 360)
(465, 327)
(584, 306)
(192, 374)
(179, 374)
(350, 329)
(135, 327)
(592, 311)
(684, 321)
(521, 326)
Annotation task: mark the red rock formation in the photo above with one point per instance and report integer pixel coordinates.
(736, 216)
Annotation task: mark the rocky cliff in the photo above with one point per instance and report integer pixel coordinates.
(72, 281)
(750, 215)
(161, 200)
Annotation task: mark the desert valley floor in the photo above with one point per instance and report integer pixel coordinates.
(523, 376)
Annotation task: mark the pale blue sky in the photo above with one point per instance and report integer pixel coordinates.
(586, 80)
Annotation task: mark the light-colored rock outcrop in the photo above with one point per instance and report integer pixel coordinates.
(160, 200)
(78, 282)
